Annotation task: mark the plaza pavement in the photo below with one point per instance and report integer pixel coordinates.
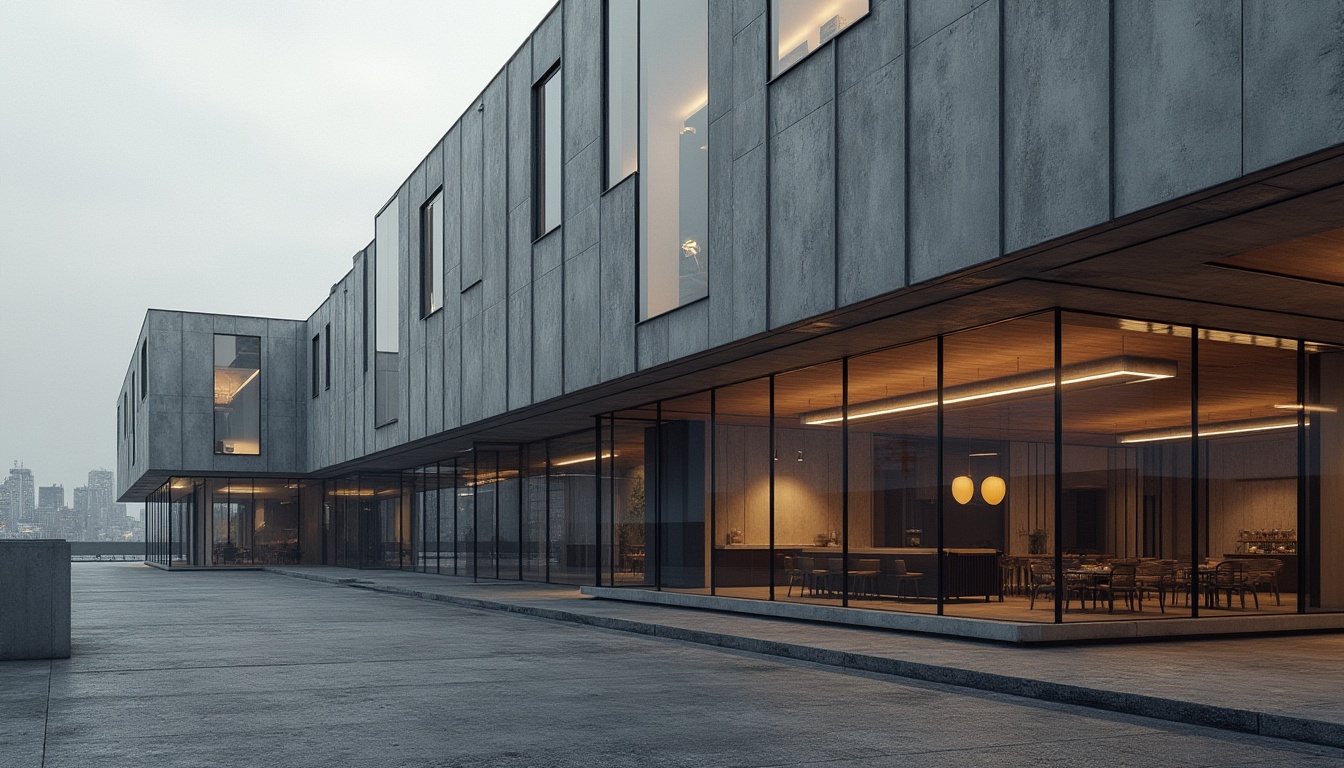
(255, 669)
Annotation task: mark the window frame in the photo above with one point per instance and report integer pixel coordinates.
(314, 362)
(144, 368)
(539, 156)
(431, 263)
(326, 358)
(772, 70)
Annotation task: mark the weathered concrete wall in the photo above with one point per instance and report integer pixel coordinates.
(930, 137)
(35, 599)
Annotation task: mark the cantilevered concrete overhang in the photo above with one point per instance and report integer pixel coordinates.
(1169, 263)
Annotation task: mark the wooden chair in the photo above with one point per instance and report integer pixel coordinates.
(1230, 577)
(863, 577)
(1123, 581)
(904, 577)
(1265, 573)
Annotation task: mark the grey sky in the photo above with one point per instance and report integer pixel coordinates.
(212, 156)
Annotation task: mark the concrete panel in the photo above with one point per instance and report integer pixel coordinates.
(802, 219)
(583, 185)
(1177, 98)
(750, 270)
(520, 246)
(802, 90)
(580, 230)
(954, 146)
(198, 364)
(473, 303)
(494, 212)
(618, 290)
(547, 253)
(164, 359)
(520, 348)
(688, 330)
(520, 125)
(749, 88)
(720, 231)
(870, 188)
(928, 17)
(547, 326)
(651, 341)
(280, 368)
(249, 326)
(452, 208)
(583, 75)
(433, 168)
(495, 359)
(434, 373)
(472, 197)
(871, 43)
(452, 378)
(163, 320)
(1057, 119)
(720, 58)
(198, 323)
(546, 43)
(473, 368)
(282, 449)
(165, 434)
(583, 321)
(746, 11)
(35, 602)
(1294, 79)
(198, 431)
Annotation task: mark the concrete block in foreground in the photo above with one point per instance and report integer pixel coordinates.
(34, 599)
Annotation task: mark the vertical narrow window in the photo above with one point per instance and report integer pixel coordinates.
(431, 255)
(237, 394)
(144, 368)
(387, 314)
(547, 108)
(316, 360)
(364, 311)
(622, 89)
(674, 248)
(799, 27)
(326, 359)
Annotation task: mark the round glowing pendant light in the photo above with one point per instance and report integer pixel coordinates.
(963, 489)
(992, 489)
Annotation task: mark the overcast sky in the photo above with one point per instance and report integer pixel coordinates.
(213, 156)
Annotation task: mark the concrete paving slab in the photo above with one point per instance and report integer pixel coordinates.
(310, 674)
(1284, 686)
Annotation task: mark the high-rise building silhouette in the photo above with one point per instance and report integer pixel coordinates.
(19, 497)
(102, 492)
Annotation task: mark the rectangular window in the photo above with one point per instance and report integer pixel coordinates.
(622, 89)
(547, 108)
(237, 394)
(431, 255)
(144, 368)
(316, 360)
(674, 248)
(387, 314)
(799, 27)
(326, 359)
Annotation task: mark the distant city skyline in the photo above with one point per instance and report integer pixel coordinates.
(88, 513)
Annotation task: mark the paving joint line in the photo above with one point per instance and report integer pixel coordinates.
(1287, 727)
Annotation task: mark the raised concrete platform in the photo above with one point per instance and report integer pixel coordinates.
(1001, 631)
(1281, 686)
(34, 599)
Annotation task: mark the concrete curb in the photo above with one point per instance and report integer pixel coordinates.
(1286, 727)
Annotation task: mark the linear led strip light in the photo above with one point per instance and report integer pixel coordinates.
(1122, 369)
(569, 462)
(1269, 424)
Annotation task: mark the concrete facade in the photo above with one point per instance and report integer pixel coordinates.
(929, 140)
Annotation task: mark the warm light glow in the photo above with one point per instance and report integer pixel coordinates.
(352, 492)
(993, 489)
(963, 489)
(579, 460)
(1112, 370)
(1210, 430)
(1307, 408)
(230, 381)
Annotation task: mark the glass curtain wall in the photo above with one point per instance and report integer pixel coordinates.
(677, 472)
(1320, 531)
(572, 503)
(809, 500)
(533, 516)
(740, 491)
(237, 398)
(628, 517)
